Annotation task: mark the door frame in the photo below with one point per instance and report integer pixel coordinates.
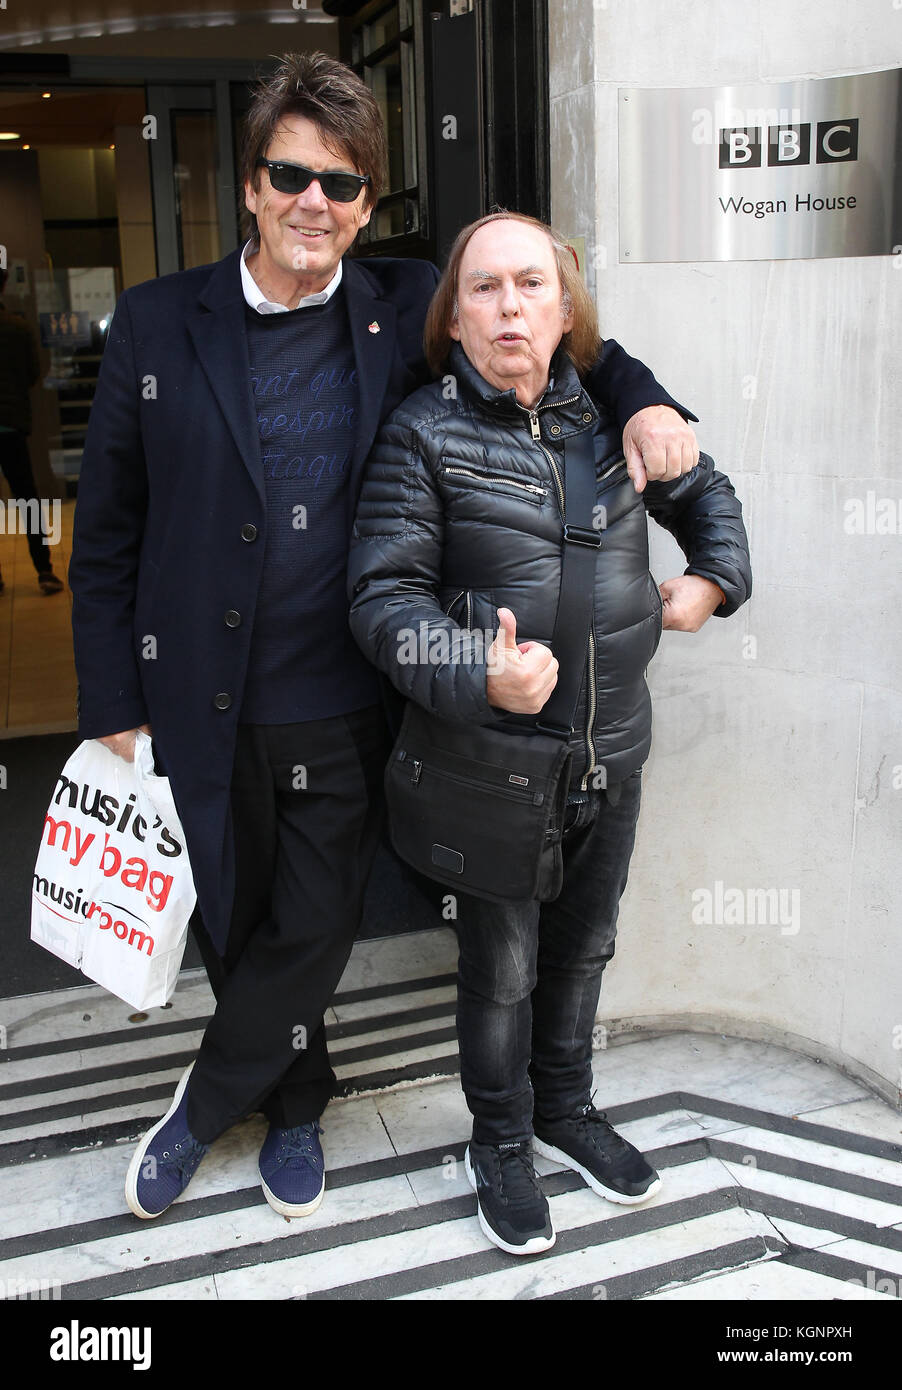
(162, 100)
(177, 84)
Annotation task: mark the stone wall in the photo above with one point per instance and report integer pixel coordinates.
(777, 762)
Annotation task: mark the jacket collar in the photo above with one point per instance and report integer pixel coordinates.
(216, 325)
(224, 285)
(373, 323)
(564, 394)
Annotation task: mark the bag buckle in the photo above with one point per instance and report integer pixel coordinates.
(582, 535)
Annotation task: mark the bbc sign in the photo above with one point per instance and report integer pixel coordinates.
(770, 172)
(787, 145)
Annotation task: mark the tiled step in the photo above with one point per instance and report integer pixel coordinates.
(756, 1202)
(87, 1091)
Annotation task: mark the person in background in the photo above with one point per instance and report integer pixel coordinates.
(19, 370)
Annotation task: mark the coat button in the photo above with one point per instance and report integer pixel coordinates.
(233, 618)
(248, 531)
(222, 700)
(587, 417)
(555, 429)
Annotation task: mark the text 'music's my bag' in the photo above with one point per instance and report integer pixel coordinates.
(113, 888)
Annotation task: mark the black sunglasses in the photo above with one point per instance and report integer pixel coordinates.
(294, 178)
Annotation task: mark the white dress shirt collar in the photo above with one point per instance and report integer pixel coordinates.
(257, 299)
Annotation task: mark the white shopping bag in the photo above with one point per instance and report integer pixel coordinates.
(113, 888)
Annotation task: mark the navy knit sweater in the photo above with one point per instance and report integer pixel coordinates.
(304, 663)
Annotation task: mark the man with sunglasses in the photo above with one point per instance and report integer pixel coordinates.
(235, 409)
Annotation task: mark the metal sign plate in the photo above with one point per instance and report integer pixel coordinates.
(764, 172)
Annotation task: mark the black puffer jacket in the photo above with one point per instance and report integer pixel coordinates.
(461, 513)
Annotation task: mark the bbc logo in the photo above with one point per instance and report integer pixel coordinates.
(836, 142)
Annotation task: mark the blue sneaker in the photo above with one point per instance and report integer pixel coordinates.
(292, 1169)
(165, 1160)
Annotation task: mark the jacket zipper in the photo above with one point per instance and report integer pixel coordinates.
(502, 477)
(592, 701)
(591, 691)
(534, 414)
(467, 596)
(555, 472)
(549, 405)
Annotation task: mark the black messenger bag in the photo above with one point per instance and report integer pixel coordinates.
(482, 808)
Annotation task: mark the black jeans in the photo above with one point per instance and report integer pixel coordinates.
(529, 976)
(15, 464)
(307, 809)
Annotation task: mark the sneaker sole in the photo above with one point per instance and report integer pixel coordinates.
(134, 1168)
(534, 1246)
(621, 1198)
(287, 1208)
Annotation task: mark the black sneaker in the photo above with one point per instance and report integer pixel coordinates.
(585, 1142)
(512, 1208)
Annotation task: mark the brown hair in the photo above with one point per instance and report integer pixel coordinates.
(339, 103)
(582, 343)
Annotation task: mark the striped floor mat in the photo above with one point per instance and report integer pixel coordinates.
(755, 1203)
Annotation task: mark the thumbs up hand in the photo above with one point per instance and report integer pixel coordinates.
(521, 676)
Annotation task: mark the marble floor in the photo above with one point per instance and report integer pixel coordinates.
(781, 1177)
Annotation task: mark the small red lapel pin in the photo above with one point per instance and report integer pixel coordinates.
(374, 327)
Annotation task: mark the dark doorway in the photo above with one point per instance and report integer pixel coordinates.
(464, 88)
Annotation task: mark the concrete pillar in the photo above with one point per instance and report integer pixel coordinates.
(777, 762)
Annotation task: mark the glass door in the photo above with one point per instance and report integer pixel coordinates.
(385, 46)
(192, 162)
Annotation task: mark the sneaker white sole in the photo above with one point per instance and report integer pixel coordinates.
(287, 1208)
(134, 1168)
(534, 1246)
(621, 1198)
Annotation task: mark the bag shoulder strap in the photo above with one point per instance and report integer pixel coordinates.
(581, 543)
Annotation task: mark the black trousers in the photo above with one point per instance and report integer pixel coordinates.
(16, 467)
(306, 808)
(530, 973)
